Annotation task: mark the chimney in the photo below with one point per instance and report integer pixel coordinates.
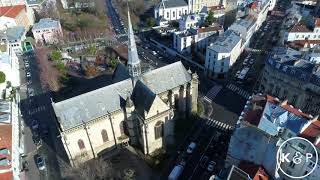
(285, 102)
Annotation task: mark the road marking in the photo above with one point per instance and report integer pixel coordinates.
(238, 90)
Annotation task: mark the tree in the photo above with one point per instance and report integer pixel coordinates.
(2, 77)
(210, 19)
(56, 55)
(96, 169)
(151, 22)
(113, 62)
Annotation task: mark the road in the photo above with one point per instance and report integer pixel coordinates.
(40, 124)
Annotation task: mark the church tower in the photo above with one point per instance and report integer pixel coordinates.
(134, 67)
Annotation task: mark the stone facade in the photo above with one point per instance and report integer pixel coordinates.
(126, 126)
(303, 94)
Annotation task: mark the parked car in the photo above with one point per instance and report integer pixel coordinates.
(26, 64)
(30, 92)
(28, 74)
(34, 124)
(191, 147)
(211, 166)
(203, 161)
(41, 163)
(251, 61)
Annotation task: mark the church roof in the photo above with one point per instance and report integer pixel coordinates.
(166, 77)
(120, 73)
(142, 104)
(88, 106)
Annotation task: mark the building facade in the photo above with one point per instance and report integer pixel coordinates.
(47, 31)
(245, 28)
(169, 10)
(222, 54)
(294, 79)
(195, 40)
(139, 109)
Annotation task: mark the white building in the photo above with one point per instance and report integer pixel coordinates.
(183, 41)
(246, 28)
(264, 124)
(301, 35)
(9, 65)
(47, 31)
(222, 54)
(171, 10)
(14, 37)
(192, 21)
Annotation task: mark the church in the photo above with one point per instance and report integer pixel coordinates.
(139, 109)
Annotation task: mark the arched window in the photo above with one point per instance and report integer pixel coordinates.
(104, 135)
(158, 130)
(81, 144)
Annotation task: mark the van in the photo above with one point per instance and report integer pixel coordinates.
(191, 147)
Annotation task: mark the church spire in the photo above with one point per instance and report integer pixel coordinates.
(133, 59)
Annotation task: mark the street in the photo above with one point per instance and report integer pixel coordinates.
(40, 133)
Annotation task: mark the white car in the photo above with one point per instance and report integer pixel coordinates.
(26, 64)
(28, 74)
(191, 147)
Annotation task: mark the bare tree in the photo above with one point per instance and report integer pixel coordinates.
(97, 169)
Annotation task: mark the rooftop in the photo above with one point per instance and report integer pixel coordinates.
(46, 23)
(226, 42)
(300, 27)
(290, 63)
(270, 114)
(88, 106)
(5, 146)
(11, 11)
(13, 33)
(254, 171)
(173, 3)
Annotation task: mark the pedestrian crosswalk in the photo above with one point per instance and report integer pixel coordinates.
(212, 93)
(218, 124)
(36, 110)
(238, 90)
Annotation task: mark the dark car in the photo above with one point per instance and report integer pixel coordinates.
(41, 163)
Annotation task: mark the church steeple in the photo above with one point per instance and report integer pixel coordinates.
(133, 59)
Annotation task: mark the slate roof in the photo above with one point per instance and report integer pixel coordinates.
(166, 77)
(226, 42)
(13, 33)
(174, 3)
(295, 67)
(142, 98)
(271, 115)
(86, 107)
(120, 73)
(46, 23)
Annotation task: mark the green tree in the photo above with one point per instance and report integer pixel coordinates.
(61, 68)
(56, 55)
(210, 19)
(113, 62)
(151, 22)
(2, 77)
